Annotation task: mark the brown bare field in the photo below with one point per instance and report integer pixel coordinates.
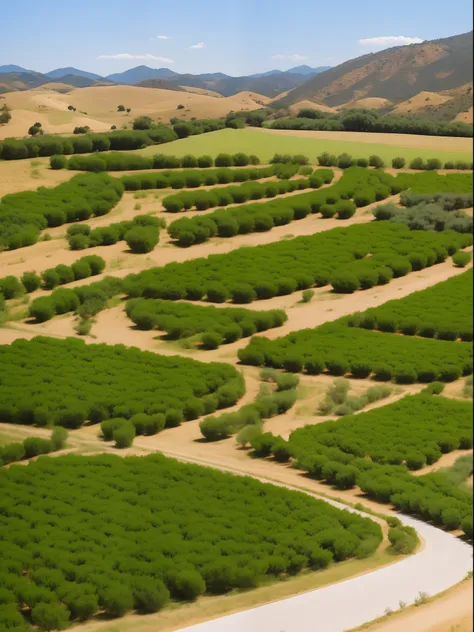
(450, 612)
(97, 107)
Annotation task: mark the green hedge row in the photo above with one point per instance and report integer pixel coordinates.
(68, 382)
(23, 215)
(338, 350)
(363, 120)
(116, 560)
(86, 300)
(126, 162)
(216, 326)
(441, 311)
(374, 450)
(17, 149)
(12, 287)
(81, 236)
(33, 446)
(281, 268)
(357, 187)
(193, 178)
(223, 196)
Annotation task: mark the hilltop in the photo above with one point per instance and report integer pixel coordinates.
(396, 74)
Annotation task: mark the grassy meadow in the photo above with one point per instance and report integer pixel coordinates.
(267, 143)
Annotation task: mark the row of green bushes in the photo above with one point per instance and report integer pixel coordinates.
(409, 433)
(339, 350)
(12, 287)
(67, 382)
(338, 400)
(431, 182)
(33, 446)
(363, 186)
(127, 162)
(440, 311)
(24, 215)
(86, 300)
(363, 120)
(224, 196)
(120, 560)
(119, 140)
(425, 216)
(142, 234)
(194, 178)
(215, 326)
(267, 405)
(281, 268)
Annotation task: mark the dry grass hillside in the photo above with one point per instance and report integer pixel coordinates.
(97, 107)
(395, 74)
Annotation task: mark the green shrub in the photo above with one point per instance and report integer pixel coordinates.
(398, 163)
(462, 259)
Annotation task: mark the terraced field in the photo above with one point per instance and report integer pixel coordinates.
(163, 350)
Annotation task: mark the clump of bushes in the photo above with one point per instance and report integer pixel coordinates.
(34, 446)
(216, 326)
(338, 401)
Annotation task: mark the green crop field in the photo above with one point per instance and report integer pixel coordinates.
(265, 145)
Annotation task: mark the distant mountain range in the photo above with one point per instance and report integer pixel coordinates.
(270, 84)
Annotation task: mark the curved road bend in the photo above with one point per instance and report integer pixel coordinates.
(443, 562)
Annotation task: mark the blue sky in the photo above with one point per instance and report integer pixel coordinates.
(237, 38)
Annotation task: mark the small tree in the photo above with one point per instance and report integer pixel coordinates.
(59, 437)
(142, 122)
(50, 616)
(124, 435)
(34, 130)
(376, 161)
(189, 585)
(248, 434)
(117, 600)
(180, 107)
(398, 162)
(121, 108)
(58, 162)
(142, 239)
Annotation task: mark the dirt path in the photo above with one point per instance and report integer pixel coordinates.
(451, 612)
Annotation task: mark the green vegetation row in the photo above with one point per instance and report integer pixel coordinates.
(115, 161)
(362, 120)
(357, 187)
(33, 446)
(116, 140)
(194, 178)
(426, 216)
(431, 182)
(345, 160)
(12, 287)
(86, 300)
(17, 149)
(441, 311)
(142, 234)
(66, 382)
(24, 215)
(214, 325)
(340, 350)
(125, 536)
(281, 268)
(374, 450)
(248, 419)
(223, 196)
